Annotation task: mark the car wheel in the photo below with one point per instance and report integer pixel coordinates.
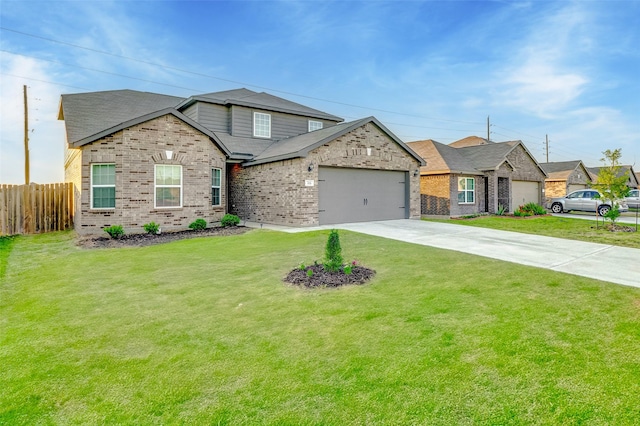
(556, 208)
(602, 210)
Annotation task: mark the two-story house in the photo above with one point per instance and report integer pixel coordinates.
(136, 157)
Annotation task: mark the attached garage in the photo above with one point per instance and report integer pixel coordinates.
(524, 192)
(361, 195)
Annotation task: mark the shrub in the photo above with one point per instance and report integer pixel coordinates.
(198, 224)
(348, 268)
(230, 220)
(530, 209)
(114, 231)
(501, 210)
(613, 214)
(151, 228)
(333, 252)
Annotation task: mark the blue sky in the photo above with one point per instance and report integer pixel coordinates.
(426, 69)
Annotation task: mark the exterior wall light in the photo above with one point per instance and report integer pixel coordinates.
(310, 168)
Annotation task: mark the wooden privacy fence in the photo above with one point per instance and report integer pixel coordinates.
(32, 209)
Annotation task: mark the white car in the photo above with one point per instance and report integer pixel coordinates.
(586, 200)
(633, 199)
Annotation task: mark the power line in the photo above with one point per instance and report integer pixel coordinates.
(101, 71)
(228, 80)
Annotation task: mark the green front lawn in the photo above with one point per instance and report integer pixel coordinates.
(204, 331)
(554, 226)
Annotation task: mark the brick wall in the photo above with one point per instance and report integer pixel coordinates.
(276, 192)
(135, 151)
(435, 195)
(556, 188)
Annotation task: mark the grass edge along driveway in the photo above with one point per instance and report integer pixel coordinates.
(205, 331)
(552, 226)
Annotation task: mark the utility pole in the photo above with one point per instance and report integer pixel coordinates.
(488, 131)
(546, 137)
(26, 137)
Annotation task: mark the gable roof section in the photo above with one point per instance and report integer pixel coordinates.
(121, 126)
(487, 157)
(469, 141)
(86, 114)
(442, 158)
(561, 170)
(470, 159)
(262, 100)
(300, 146)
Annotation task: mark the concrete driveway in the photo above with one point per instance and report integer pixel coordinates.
(614, 264)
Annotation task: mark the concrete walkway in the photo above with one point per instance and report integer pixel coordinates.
(614, 264)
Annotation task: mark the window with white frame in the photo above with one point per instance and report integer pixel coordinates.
(103, 186)
(261, 125)
(466, 190)
(168, 186)
(315, 125)
(216, 178)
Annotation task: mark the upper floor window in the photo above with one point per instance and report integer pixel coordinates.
(103, 186)
(261, 125)
(466, 190)
(216, 175)
(168, 185)
(315, 125)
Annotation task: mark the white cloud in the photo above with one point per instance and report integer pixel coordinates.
(541, 88)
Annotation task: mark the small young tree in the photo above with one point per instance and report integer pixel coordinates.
(611, 181)
(333, 252)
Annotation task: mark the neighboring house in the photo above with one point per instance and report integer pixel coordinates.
(565, 177)
(474, 175)
(136, 157)
(632, 182)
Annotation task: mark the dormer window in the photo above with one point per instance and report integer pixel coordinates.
(261, 125)
(315, 125)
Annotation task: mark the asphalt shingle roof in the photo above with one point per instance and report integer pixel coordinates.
(467, 159)
(87, 114)
(561, 170)
(300, 146)
(441, 157)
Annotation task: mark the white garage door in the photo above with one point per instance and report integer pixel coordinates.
(361, 195)
(523, 192)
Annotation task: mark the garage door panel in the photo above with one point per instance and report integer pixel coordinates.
(358, 195)
(523, 192)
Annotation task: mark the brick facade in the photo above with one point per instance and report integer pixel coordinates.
(135, 151)
(276, 192)
(435, 195)
(557, 188)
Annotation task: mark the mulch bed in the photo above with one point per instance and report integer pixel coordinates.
(322, 278)
(619, 228)
(141, 240)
